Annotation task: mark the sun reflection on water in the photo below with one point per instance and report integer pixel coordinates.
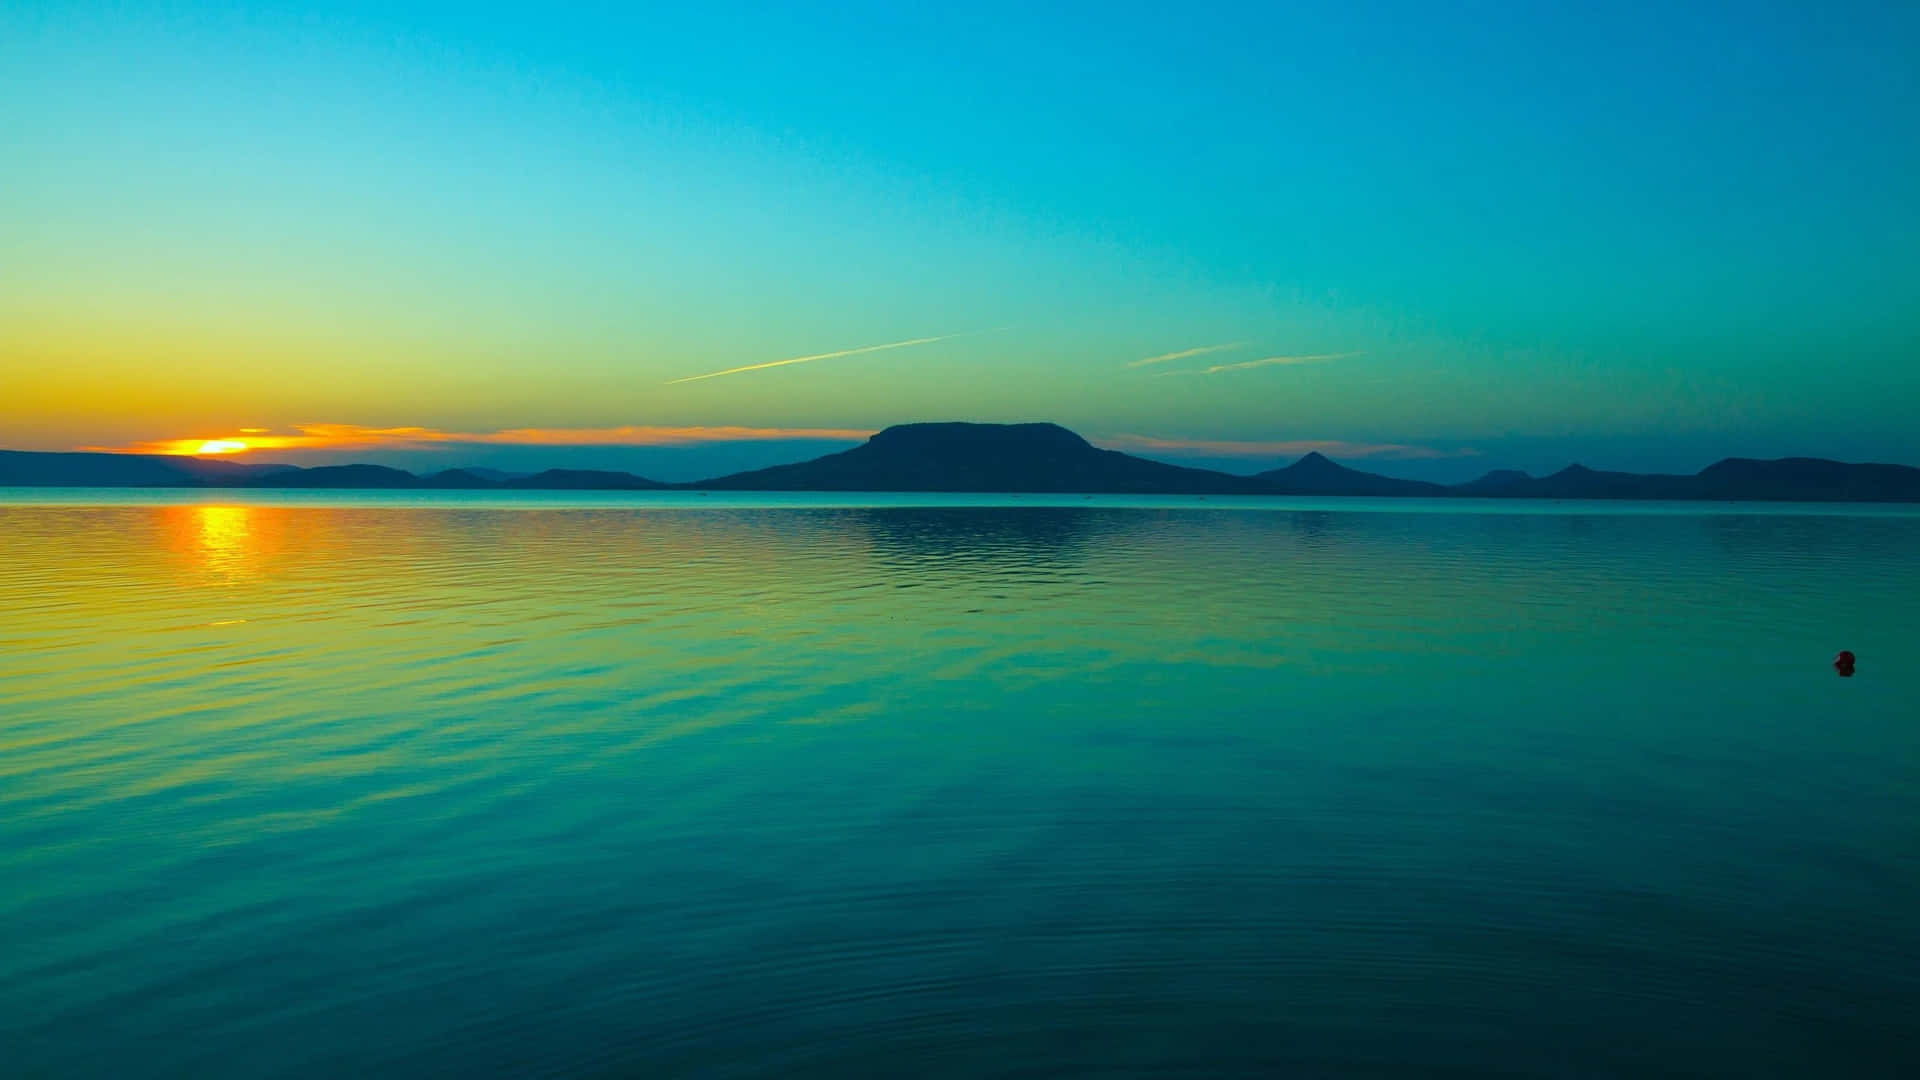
(224, 540)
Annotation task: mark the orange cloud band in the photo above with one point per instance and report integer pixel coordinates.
(357, 437)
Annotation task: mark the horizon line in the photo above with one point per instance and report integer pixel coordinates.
(1332, 449)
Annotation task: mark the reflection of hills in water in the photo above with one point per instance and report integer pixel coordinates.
(1029, 536)
(647, 776)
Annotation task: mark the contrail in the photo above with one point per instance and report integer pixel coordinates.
(816, 356)
(1245, 364)
(1201, 350)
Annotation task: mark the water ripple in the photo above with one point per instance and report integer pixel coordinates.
(953, 790)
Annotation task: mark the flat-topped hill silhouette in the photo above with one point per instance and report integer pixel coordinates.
(984, 457)
(1012, 458)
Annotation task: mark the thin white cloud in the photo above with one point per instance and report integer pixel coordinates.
(816, 356)
(1198, 350)
(1243, 365)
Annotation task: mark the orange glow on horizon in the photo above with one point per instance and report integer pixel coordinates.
(358, 437)
(179, 447)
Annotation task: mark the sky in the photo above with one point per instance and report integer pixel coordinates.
(1428, 239)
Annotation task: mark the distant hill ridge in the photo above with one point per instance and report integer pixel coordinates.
(985, 457)
(1317, 474)
(1013, 458)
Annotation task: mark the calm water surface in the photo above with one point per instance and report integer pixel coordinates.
(638, 786)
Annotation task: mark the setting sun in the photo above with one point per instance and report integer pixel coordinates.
(221, 446)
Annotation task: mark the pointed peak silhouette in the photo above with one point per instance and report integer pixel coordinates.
(1317, 474)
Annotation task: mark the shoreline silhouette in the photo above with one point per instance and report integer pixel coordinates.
(1011, 458)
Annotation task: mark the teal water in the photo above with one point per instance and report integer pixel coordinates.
(623, 785)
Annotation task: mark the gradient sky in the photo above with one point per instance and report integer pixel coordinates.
(1637, 235)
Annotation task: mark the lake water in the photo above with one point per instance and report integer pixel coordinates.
(682, 786)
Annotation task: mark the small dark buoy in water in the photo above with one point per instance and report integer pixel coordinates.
(1843, 663)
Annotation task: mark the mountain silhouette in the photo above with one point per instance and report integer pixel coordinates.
(1746, 479)
(1496, 482)
(458, 478)
(582, 480)
(26, 468)
(984, 457)
(1808, 480)
(1580, 482)
(342, 476)
(1316, 474)
(1012, 458)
